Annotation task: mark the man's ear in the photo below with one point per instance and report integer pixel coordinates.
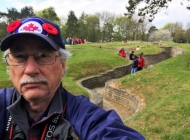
(63, 67)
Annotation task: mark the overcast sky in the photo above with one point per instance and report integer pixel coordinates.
(175, 12)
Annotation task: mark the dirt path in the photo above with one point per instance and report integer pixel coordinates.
(124, 113)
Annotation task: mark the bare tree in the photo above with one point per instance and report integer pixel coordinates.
(150, 8)
(107, 21)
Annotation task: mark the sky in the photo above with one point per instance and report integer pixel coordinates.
(175, 13)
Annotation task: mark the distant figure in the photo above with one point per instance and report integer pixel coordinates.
(141, 62)
(131, 55)
(122, 53)
(134, 64)
(62, 39)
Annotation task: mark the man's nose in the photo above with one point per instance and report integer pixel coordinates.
(31, 66)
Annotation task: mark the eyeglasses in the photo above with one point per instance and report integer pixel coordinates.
(19, 59)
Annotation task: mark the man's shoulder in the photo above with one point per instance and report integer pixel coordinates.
(78, 102)
(6, 91)
(6, 94)
(79, 98)
(5, 100)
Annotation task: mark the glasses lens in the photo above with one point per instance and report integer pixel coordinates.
(16, 59)
(45, 58)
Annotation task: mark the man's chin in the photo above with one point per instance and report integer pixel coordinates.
(34, 94)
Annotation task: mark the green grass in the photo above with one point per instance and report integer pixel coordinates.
(92, 61)
(3, 74)
(165, 87)
(71, 85)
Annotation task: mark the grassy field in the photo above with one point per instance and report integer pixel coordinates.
(166, 90)
(165, 87)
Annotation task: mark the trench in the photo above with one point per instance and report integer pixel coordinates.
(124, 113)
(95, 85)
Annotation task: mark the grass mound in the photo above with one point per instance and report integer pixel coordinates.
(165, 87)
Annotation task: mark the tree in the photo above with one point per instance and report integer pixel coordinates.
(93, 28)
(27, 11)
(143, 28)
(122, 28)
(173, 27)
(50, 14)
(152, 29)
(134, 29)
(187, 35)
(107, 20)
(72, 25)
(13, 14)
(162, 35)
(107, 32)
(170, 27)
(179, 36)
(187, 26)
(176, 30)
(130, 29)
(151, 8)
(82, 29)
(63, 29)
(108, 26)
(3, 32)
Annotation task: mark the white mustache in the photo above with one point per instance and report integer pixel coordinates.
(27, 80)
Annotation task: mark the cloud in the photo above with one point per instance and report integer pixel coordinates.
(175, 12)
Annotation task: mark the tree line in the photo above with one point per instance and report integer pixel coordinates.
(101, 26)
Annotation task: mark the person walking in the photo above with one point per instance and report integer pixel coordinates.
(134, 65)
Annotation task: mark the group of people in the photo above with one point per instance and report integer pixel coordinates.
(38, 107)
(138, 62)
(123, 54)
(74, 41)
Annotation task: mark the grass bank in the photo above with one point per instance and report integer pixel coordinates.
(165, 87)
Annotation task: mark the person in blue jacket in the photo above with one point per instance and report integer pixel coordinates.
(39, 107)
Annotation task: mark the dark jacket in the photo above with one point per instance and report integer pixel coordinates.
(85, 119)
(131, 56)
(135, 63)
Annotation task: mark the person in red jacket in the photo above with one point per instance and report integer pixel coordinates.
(122, 53)
(141, 62)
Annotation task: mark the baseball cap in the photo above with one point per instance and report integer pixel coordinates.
(34, 26)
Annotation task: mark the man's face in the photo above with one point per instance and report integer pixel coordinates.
(32, 80)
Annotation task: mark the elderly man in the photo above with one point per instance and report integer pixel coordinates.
(38, 107)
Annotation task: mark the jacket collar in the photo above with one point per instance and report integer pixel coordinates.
(19, 114)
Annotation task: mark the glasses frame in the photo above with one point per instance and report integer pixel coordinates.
(35, 58)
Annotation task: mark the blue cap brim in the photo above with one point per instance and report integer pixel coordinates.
(6, 42)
